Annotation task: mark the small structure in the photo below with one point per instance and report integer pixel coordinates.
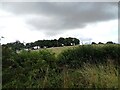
(62, 44)
(45, 47)
(26, 49)
(36, 47)
(72, 44)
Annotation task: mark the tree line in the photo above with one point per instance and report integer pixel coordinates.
(109, 42)
(70, 41)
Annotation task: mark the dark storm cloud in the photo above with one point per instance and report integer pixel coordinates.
(59, 16)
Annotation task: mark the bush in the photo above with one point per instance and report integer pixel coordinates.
(89, 53)
(26, 67)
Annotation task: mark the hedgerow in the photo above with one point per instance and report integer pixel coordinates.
(85, 66)
(89, 54)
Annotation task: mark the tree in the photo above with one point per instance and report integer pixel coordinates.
(54, 43)
(16, 45)
(93, 43)
(100, 43)
(76, 41)
(61, 41)
(109, 42)
(28, 45)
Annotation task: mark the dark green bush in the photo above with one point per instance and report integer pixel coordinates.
(26, 69)
(90, 54)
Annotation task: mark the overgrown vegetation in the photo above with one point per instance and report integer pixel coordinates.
(86, 66)
(93, 54)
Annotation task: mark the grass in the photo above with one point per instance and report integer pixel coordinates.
(91, 76)
(58, 50)
(101, 76)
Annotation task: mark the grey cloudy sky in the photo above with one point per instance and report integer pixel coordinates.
(56, 18)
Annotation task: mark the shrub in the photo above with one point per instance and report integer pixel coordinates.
(89, 53)
(26, 67)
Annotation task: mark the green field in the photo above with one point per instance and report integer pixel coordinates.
(58, 50)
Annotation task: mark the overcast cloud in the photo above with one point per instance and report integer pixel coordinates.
(31, 21)
(54, 18)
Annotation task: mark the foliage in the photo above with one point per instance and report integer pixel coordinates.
(93, 43)
(44, 43)
(94, 76)
(87, 66)
(25, 67)
(89, 53)
(100, 43)
(15, 45)
(109, 42)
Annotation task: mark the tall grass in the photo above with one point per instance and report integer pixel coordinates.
(92, 76)
(100, 76)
